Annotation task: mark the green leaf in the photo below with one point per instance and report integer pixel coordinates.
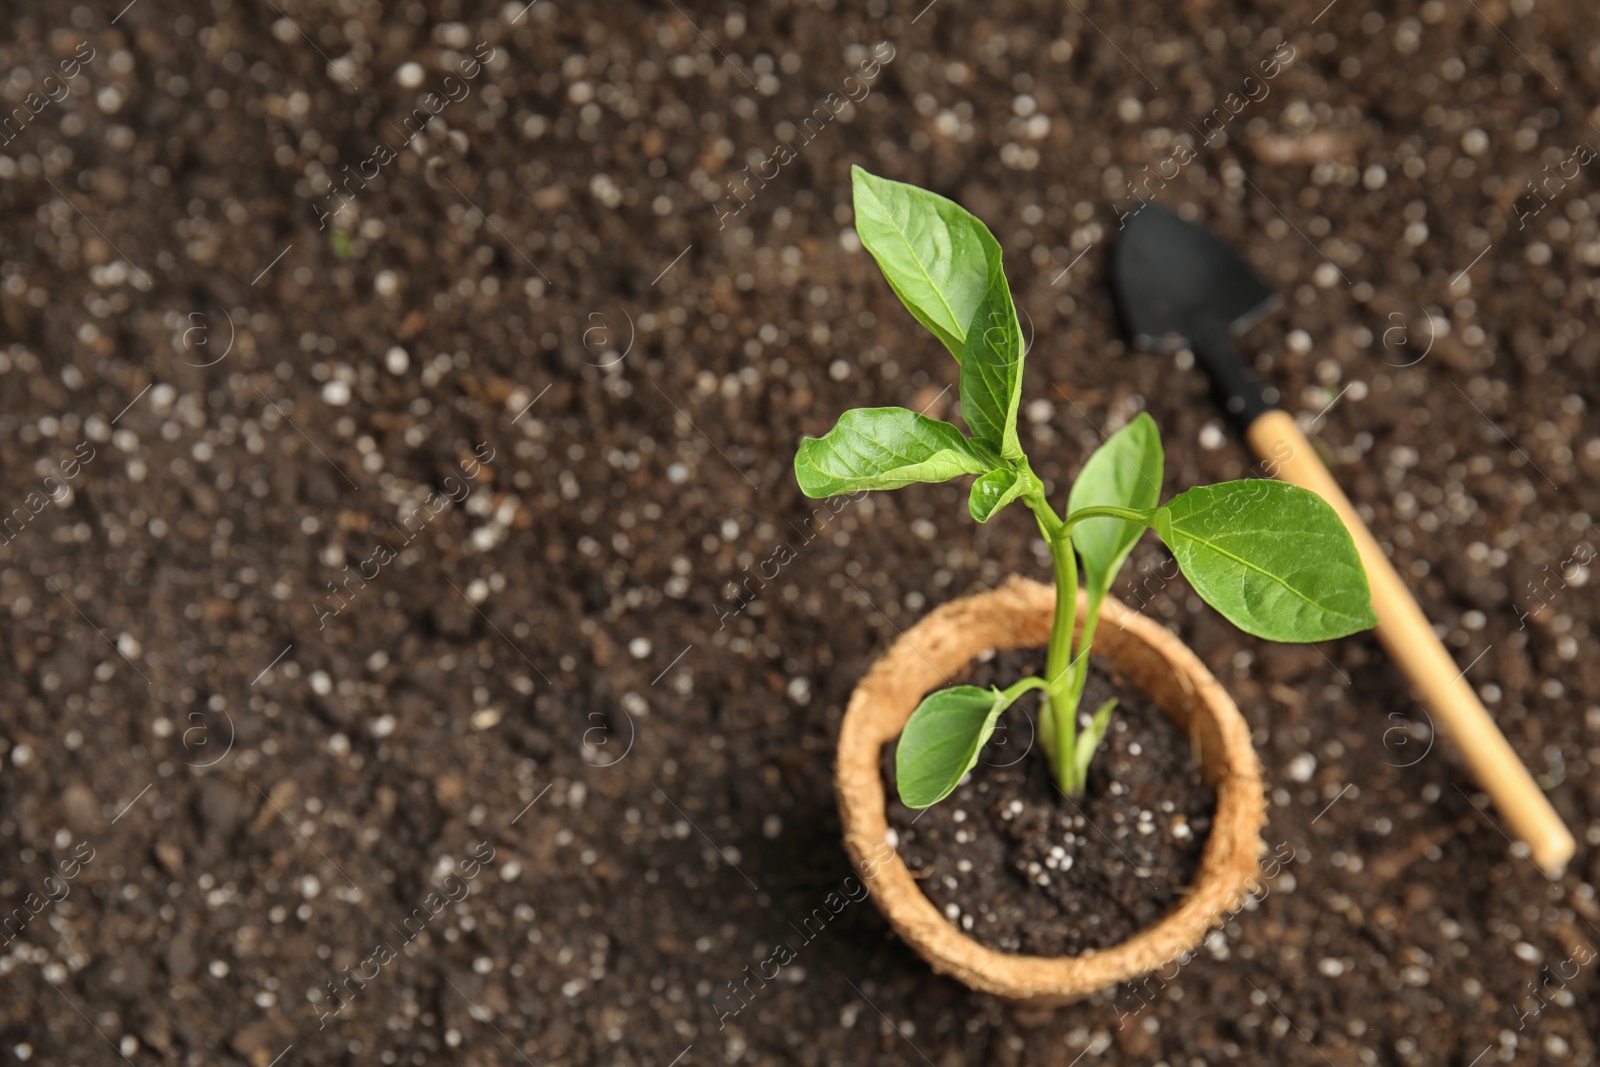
(883, 448)
(994, 491)
(1124, 472)
(1273, 558)
(937, 257)
(991, 370)
(1090, 739)
(942, 740)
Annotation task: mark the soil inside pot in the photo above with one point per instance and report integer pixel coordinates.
(1023, 868)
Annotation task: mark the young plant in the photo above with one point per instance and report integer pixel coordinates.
(1274, 559)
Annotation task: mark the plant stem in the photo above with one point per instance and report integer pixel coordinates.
(1061, 703)
(1026, 685)
(1085, 643)
(1066, 673)
(1058, 743)
(1106, 511)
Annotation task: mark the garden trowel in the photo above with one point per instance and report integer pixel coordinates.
(1178, 285)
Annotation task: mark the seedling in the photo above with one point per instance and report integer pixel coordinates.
(1274, 559)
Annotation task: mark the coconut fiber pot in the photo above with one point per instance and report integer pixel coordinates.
(1018, 615)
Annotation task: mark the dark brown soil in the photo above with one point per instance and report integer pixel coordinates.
(567, 206)
(1021, 867)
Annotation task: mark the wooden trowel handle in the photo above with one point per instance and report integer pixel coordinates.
(1406, 633)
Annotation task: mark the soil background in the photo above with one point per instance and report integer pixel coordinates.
(518, 777)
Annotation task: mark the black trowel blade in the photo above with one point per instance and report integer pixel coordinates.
(1174, 279)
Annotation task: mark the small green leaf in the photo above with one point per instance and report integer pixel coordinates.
(1124, 472)
(942, 740)
(1273, 558)
(937, 257)
(991, 369)
(883, 448)
(993, 491)
(1090, 740)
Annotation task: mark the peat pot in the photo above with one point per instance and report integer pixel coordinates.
(1018, 615)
